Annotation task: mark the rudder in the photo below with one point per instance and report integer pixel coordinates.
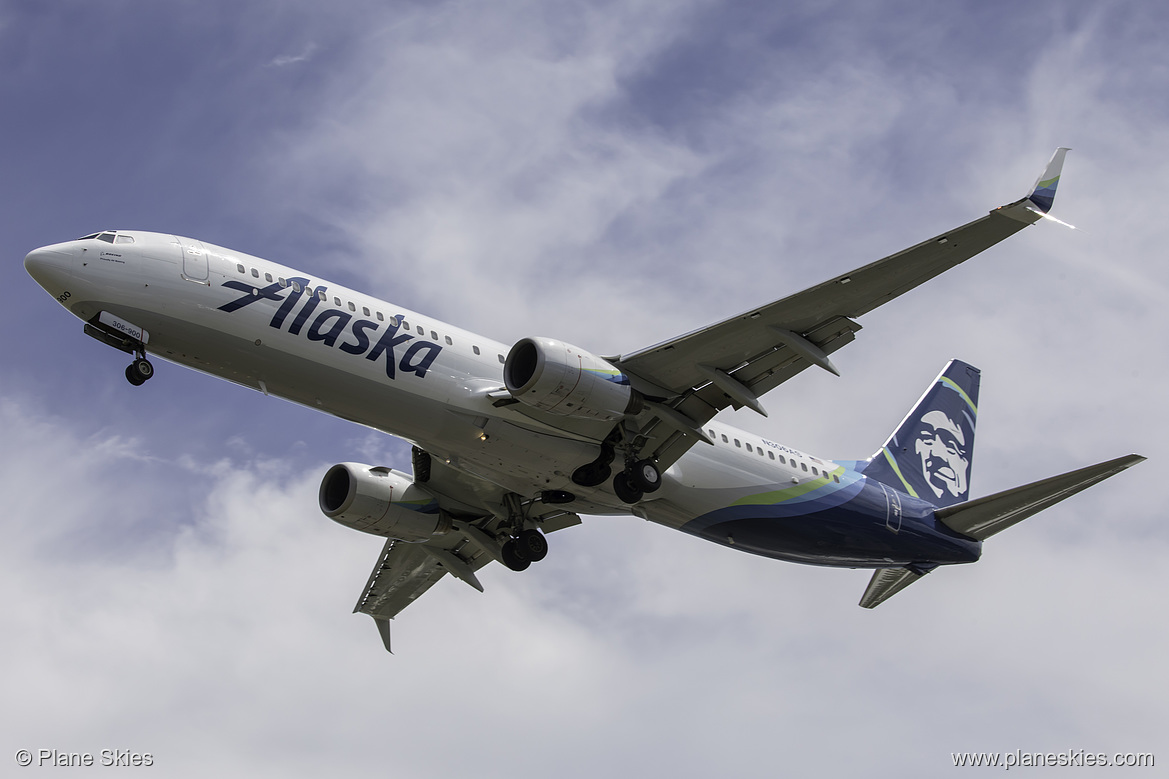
(930, 453)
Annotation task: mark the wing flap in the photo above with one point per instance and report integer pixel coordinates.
(403, 573)
(758, 375)
(980, 519)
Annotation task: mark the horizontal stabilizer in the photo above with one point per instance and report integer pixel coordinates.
(980, 519)
(886, 583)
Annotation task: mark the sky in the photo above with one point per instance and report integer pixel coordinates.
(610, 174)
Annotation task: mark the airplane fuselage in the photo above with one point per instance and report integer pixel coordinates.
(293, 335)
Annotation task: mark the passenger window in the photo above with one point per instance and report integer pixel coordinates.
(268, 277)
(782, 460)
(404, 324)
(804, 466)
(749, 449)
(380, 318)
(501, 360)
(836, 478)
(255, 273)
(421, 331)
(352, 306)
(814, 471)
(475, 349)
(241, 269)
(337, 302)
(739, 445)
(321, 294)
(433, 336)
(760, 450)
(771, 454)
(449, 342)
(725, 439)
(364, 311)
(296, 286)
(281, 282)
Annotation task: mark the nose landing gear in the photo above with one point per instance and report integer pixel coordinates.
(123, 336)
(139, 371)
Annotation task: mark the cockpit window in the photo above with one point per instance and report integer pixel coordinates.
(109, 236)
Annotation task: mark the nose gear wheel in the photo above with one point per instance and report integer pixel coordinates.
(139, 371)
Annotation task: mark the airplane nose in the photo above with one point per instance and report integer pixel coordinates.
(50, 266)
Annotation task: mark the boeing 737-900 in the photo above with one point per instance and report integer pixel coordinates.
(512, 443)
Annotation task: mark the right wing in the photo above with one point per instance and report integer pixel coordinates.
(734, 362)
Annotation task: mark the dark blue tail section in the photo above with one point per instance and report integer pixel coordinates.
(930, 454)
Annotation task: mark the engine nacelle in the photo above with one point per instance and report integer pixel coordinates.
(562, 379)
(381, 502)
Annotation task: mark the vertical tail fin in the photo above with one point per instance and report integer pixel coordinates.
(930, 454)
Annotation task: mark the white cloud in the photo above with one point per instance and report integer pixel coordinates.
(232, 643)
(285, 60)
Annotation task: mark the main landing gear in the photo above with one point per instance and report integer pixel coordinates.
(527, 545)
(640, 476)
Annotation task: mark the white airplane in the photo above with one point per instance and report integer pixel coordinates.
(513, 443)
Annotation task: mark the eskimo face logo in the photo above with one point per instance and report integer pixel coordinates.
(945, 456)
(331, 325)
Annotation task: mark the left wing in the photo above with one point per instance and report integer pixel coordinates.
(478, 510)
(404, 571)
(734, 362)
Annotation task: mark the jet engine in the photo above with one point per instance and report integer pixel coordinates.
(562, 379)
(381, 502)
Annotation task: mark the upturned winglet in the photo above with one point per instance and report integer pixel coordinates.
(1043, 193)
